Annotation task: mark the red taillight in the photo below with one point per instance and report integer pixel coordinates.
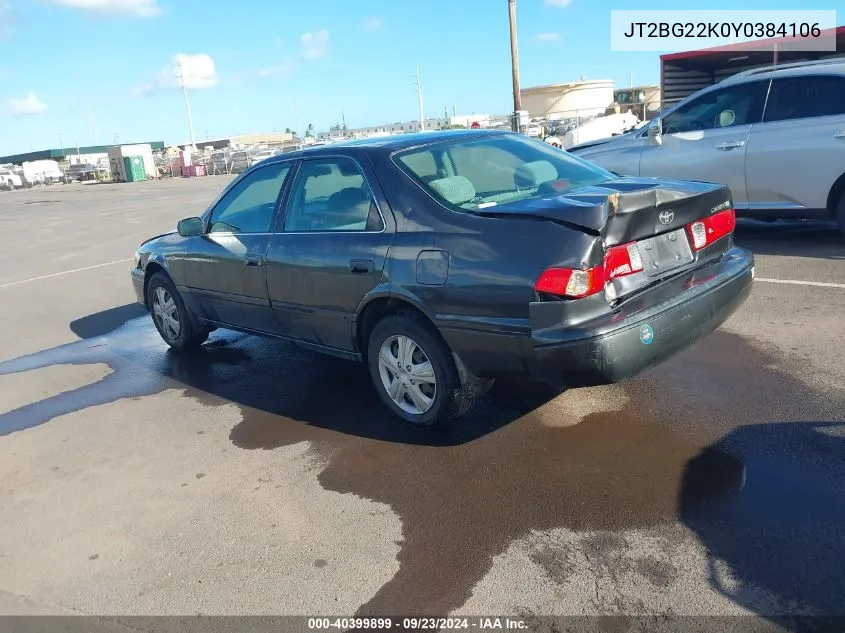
(704, 232)
(622, 260)
(567, 282)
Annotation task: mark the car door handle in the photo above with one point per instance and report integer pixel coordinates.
(840, 135)
(729, 145)
(361, 266)
(252, 260)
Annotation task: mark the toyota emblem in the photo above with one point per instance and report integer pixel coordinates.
(666, 217)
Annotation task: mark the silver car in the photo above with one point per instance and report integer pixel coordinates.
(775, 136)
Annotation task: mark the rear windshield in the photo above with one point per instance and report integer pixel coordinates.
(480, 173)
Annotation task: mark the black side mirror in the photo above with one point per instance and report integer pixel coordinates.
(190, 227)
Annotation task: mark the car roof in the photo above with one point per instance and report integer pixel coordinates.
(834, 66)
(390, 144)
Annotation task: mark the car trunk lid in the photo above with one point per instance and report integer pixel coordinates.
(623, 210)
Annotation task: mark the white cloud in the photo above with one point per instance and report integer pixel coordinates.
(548, 37)
(373, 24)
(30, 104)
(558, 3)
(197, 71)
(140, 8)
(314, 45)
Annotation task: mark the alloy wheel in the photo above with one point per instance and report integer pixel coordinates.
(407, 374)
(166, 313)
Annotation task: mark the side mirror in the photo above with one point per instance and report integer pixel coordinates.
(655, 135)
(190, 227)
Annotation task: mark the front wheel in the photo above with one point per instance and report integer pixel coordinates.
(414, 373)
(171, 316)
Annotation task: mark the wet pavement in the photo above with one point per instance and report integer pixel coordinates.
(711, 484)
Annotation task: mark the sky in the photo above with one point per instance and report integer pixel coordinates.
(101, 71)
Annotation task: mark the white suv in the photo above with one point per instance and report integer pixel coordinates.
(775, 136)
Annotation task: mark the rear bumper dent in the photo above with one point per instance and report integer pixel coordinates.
(647, 337)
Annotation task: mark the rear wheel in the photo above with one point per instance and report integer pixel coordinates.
(171, 316)
(414, 373)
(840, 214)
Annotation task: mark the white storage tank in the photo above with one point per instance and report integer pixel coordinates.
(567, 100)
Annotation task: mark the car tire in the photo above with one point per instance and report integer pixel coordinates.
(173, 321)
(840, 214)
(448, 399)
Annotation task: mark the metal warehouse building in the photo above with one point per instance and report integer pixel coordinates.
(61, 153)
(682, 74)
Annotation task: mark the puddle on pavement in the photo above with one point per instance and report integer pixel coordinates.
(463, 497)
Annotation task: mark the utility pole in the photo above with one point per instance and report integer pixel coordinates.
(60, 142)
(187, 106)
(517, 97)
(420, 100)
(93, 125)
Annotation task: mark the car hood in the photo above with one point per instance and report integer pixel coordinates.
(623, 209)
(157, 238)
(601, 141)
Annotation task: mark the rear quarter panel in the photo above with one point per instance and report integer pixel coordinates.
(482, 306)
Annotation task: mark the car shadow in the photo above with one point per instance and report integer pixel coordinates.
(791, 238)
(266, 375)
(780, 531)
(102, 323)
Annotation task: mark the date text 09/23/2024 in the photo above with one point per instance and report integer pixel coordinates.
(417, 623)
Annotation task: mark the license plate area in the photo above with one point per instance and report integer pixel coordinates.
(663, 253)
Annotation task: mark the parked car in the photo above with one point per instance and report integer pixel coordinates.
(263, 154)
(81, 172)
(775, 136)
(10, 180)
(600, 127)
(41, 172)
(445, 260)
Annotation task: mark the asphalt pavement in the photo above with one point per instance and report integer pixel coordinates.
(253, 477)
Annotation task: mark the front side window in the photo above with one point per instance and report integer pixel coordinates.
(249, 206)
(475, 174)
(735, 105)
(331, 195)
(805, 97)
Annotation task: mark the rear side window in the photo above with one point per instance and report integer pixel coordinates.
(735, 105)
(476, 173)
(331, 195)
(805, 97)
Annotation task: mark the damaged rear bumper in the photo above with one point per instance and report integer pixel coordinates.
(610, 347)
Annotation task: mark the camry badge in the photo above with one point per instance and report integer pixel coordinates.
(666, 217)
